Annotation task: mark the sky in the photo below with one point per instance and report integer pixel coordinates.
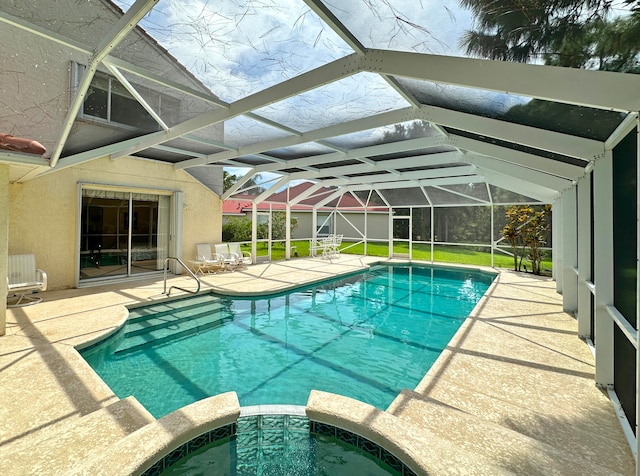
(238, 47)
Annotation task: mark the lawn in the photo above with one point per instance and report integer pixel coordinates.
(443, 254)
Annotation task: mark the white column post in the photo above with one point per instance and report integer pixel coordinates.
(569, 251)
(493, 240)
(254, 232)
(366, 229)
(556, 232)
(603, 266)
(390, 232)
(432, 233)
(287, 232)
(584, 257)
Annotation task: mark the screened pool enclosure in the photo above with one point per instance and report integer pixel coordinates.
(372, 105)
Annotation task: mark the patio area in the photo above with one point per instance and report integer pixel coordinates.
(513, 392)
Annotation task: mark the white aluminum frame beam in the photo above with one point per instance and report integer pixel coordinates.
(415, 177)
(391, 165)
(356, 154)
(119, 31)
(534, 177)
(564, 144)
(599, 89)
(138, 97)
(320, 9)
(535, 162)
(357, 125)
(519, 186)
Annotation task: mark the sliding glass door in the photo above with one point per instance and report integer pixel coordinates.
(122, 233)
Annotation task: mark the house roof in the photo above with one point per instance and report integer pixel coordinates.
(355, 111)
(240, 204)
(18, 144)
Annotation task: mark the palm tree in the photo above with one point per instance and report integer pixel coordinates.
(572, 33)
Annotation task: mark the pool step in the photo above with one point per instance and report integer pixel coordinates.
(50, 451)
(143, 325)
(577, 436)
(176, 307)
(507, 448)
(156, 331)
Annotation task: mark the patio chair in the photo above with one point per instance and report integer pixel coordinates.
(24, 279)
(231, 260)
(316, 247)
(206, 261)
(244, 257)
(331, 245)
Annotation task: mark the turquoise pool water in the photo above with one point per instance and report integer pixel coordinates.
(282, 445)
(366, 336)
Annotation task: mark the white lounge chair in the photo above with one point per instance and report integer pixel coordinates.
(206, 261)
(231, 260)
(243, 256)
(24, 279)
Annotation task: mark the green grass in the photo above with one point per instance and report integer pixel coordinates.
(442, 254)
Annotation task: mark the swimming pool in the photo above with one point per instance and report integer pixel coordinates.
(366, 336)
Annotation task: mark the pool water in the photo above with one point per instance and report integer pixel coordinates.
(284, 445)
(367, 336)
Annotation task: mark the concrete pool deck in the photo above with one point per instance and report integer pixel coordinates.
(514, 389)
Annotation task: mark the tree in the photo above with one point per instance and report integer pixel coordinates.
(511, 234)
(527, 227)
(571, 33)
(278, 227)
(533, 234)
(237, 229)
(230, 180)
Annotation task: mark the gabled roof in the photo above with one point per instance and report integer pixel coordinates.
(240, 204)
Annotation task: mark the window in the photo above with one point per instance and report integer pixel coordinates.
(324, 226)
(108, 100)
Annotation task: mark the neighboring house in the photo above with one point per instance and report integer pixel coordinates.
(349, 220)
(91, 218)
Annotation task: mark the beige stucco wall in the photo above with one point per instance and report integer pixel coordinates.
(4, 194)
(43, 213)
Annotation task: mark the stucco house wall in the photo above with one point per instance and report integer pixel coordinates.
(377, 225)
(44, 212)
